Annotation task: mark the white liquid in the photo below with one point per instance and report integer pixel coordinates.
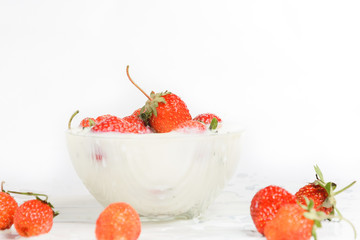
(160, 175)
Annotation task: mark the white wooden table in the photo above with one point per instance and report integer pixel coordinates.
(227, 218)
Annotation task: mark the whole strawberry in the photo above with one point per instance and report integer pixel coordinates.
(289, 223)
(321, 192)
(118, 221)
(163, 111)
(114, 124)
(87, 122)
(191, 126)
(33, 217)
(206, 118)
(317, 193)
(101, 118)
(134, 119)
(8, 205)
(299, 222)
(90, 122)
(265, 204)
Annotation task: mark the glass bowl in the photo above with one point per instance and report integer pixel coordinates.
(163, 176)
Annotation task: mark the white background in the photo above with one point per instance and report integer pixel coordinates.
(288, 71)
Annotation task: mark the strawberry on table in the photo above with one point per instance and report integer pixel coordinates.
(321, 192)
(163, 111)
(118, 221)
(33, 217)
(265, 204)
(299, 222)
(8, 205)
(289, 223)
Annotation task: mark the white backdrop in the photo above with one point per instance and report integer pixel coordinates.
(288, 71)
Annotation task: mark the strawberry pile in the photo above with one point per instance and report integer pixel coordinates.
(33, 217)
(280, 215)
(162, 112)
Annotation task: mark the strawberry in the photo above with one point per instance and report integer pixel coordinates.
(163, 111)
(206, 118)
(289, 223)
(169, 113)
(114, 124)
(118, 221)
(129, 124)
(101, 118)
(299, 222)
(8, 205)
(134, 119)
(321, 192)
(87, 122)
(209, 119)
(34, 217)
(317, 193)
(191, 126)
(265, 204)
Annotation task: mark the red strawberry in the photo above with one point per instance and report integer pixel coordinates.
(191, 126)
(87, 122)
(321, 192)
(8, 205)
(118, 221)
(289, 223)
(134, 119)
(163, 111)
(113, 124)
(169, 113)
(33, 217)
(265, 204)
(206, 118)
(315, 192)
(298, 222)
(101, 118)
(130, 124)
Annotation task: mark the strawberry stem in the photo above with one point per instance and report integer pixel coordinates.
(127, 72)
(340, 217)
(348, 186)
(2, 186)
(31, 194)
(71, 118)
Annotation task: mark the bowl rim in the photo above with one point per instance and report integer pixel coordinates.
(136, 136)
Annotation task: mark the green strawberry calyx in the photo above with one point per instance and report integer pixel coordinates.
(312, 214)
(150, 106)
(330, 187)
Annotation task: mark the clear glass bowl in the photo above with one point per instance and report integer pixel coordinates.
(163, 176)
